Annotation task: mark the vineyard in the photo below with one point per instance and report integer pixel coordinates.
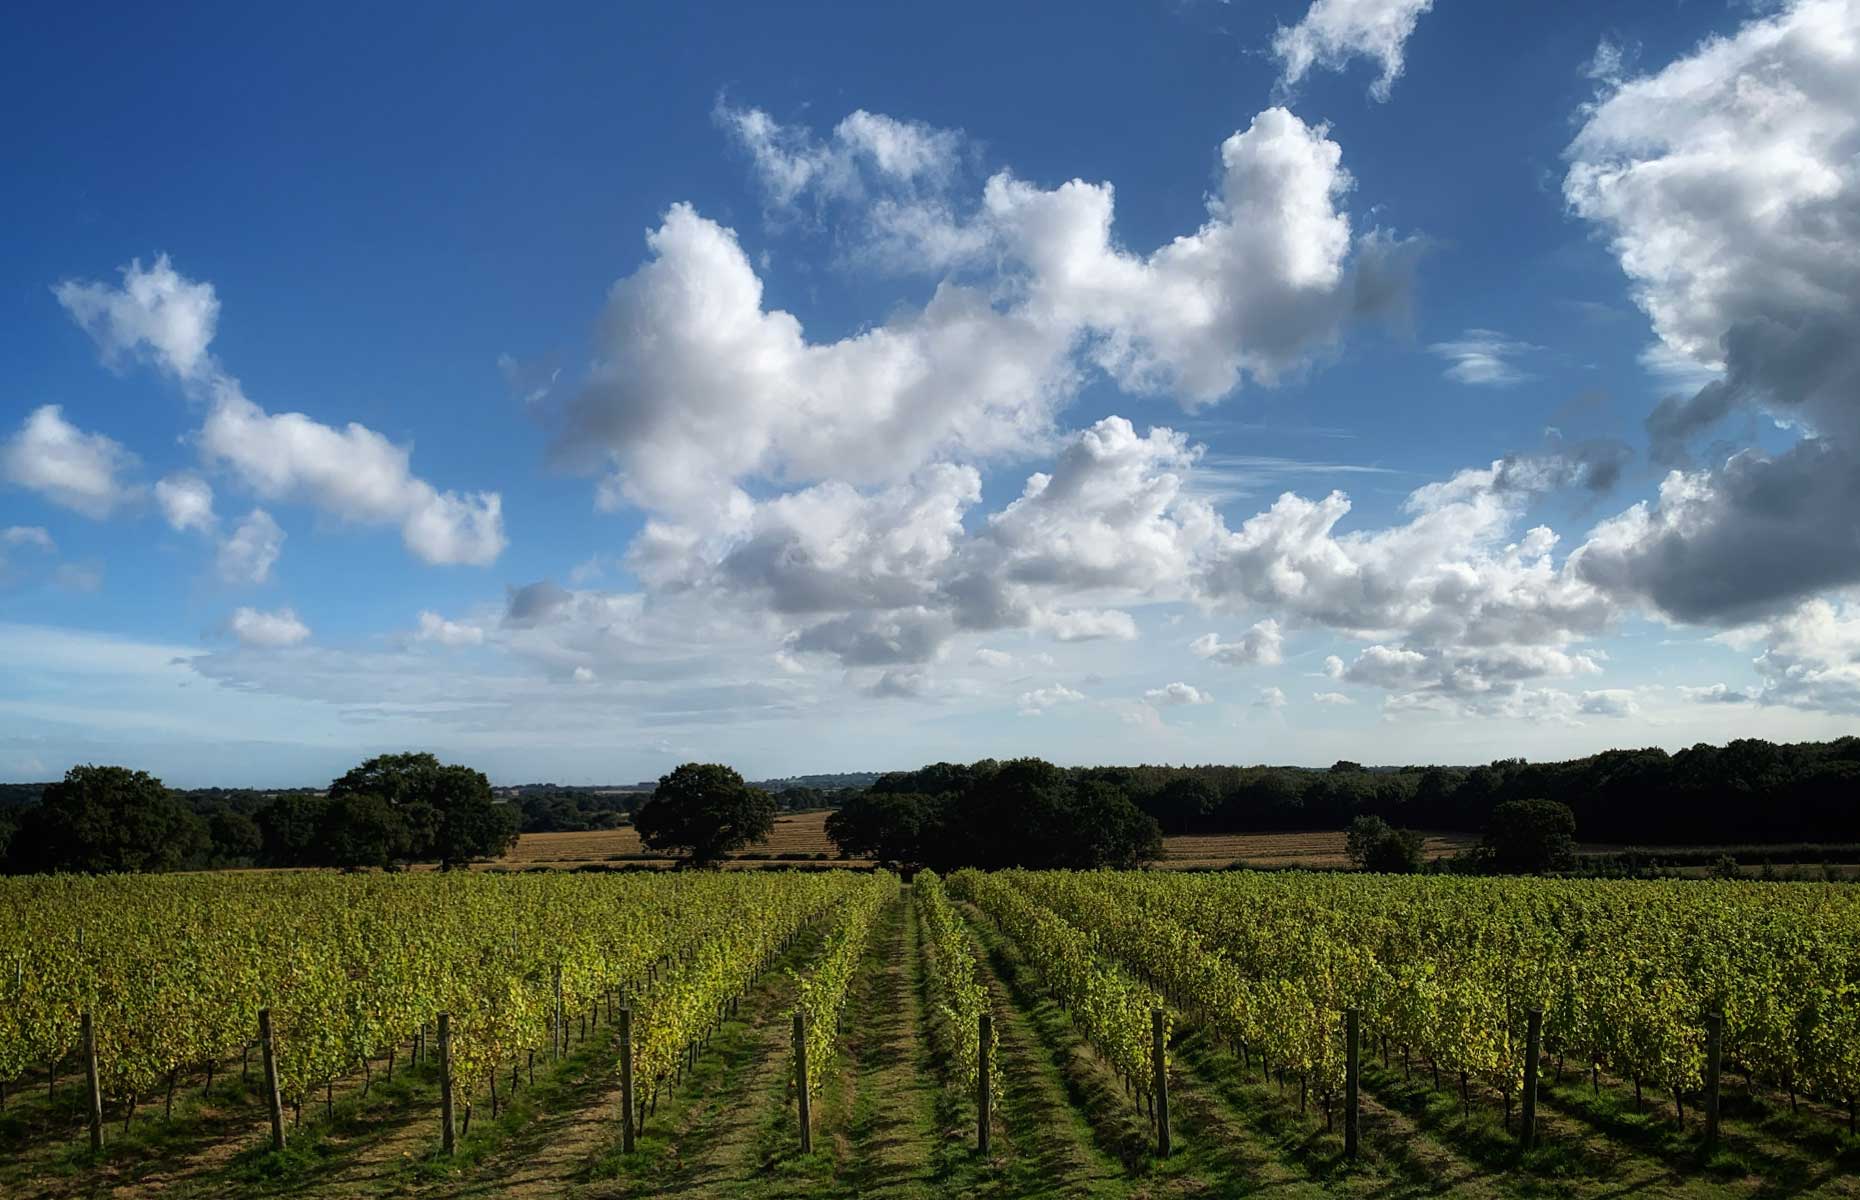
(757, 1034)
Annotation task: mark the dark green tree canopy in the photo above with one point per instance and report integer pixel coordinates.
(359, 830)
(1184, 803)
(1530, 837)
(1025, 812)
(706, 811)
(108, 819)
(237, 840)
(886, 826)
(444, 812)
(290, 827)
(1375, 845)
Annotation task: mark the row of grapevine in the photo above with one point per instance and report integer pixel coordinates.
(821, 991)
(1295, 1027)
(718, 960)
(958, 997)
(1111, 1009)
(175, 968)
(1626, 972)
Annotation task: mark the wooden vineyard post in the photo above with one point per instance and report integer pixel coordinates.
(1533, 1050)
(1159, 1055)
(269, 1049)
(1352, 1069)
(1714, 1067)
(626, 1079)
(93, 1106)
(560, 1017)
(447, 1134)
(800, 1081)
(981, 1088)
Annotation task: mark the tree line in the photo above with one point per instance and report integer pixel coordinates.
(390, 811)
(1025, 812)
(1750, 791)
(398, 809)
(1030, 813)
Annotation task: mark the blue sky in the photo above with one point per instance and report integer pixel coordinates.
(579, 393)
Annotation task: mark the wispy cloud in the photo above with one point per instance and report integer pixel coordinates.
(1485, 358)
(1219, 477)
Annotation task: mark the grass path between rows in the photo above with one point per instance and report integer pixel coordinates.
(704, 1139)
(1070, 1130)
(888, 1148)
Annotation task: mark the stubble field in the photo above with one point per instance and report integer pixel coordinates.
(801, 837)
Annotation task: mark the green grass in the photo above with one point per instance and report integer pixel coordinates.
(44, 1143)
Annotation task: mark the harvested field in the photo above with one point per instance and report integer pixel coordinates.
(1322, 848)
(802, 833)
(805, 833)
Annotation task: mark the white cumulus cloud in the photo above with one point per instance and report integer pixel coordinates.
(67, 466)
(1262, 645)
(156, 311)
(250, 551)
(865, 152)
(1608, 702)
(1176, 694)
(1727, 185)
(352, 473)
(267, 630)
(186, 501)
(435, 628)
(1332, 32)
(1037, 701)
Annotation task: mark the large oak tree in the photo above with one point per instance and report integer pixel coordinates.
(704, 810)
